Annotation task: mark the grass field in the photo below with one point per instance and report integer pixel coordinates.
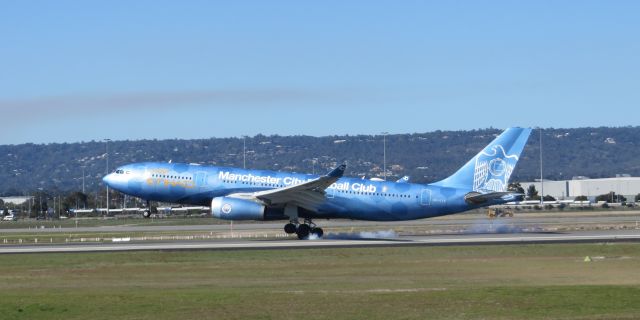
(465, 282)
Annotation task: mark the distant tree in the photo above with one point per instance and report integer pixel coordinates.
(637, 197)
(604, 197)
(75, 200)
(516, 187)
(40, 203)
(532, 193)
(581, 198)
(10, 192)
(611, 197)
(2, 203)
(549, 198)
(5, 212)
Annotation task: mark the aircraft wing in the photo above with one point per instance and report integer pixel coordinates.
(306, 195)
(478, 198)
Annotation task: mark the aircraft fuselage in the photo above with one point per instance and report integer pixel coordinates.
(350, 198)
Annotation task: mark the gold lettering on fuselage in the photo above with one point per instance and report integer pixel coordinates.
(167, 182)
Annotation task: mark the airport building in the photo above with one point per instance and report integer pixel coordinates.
(17, 200)
(623, 185)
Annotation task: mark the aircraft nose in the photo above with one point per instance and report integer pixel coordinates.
(108, 179)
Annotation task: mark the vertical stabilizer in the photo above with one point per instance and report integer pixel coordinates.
(490, 170)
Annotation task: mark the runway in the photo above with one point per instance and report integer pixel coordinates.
(339, 240)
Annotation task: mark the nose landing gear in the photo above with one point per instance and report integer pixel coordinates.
(149, 210)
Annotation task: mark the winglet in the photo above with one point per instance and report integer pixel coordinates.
(337, 172)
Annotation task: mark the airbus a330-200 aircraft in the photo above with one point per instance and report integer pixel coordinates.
(240, 194)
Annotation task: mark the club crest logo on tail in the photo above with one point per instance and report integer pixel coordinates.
(493, 168)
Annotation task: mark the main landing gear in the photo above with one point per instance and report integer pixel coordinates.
(304, 230)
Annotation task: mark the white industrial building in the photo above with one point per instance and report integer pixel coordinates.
(626, 186)
(17, 200)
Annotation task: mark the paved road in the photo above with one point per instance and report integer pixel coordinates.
(522, 221)
(340, 240)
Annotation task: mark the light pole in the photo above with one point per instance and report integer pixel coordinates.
(541, 178)
(384, 154)
(82, 179)
(107, 142)
(244, 152)
(40, 201)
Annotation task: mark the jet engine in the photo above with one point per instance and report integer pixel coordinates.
(237, 209)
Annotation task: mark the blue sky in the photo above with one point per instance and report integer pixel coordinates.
(82, 70)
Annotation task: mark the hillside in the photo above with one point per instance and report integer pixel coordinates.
(592, 152)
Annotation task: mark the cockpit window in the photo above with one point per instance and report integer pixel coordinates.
(119, 171)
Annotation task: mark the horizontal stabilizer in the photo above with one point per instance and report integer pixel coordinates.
(480, 198)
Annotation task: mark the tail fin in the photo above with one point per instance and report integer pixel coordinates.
(489, 170)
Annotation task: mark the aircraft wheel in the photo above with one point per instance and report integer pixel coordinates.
(146, 214)
(318, 232)
(303, 231)
(290, 228)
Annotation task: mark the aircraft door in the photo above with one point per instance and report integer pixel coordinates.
(425, 197)
(330, 193)
(152, 182)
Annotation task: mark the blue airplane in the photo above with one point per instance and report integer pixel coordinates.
(241, 194)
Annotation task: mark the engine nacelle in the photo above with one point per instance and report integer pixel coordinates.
(237, 209)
